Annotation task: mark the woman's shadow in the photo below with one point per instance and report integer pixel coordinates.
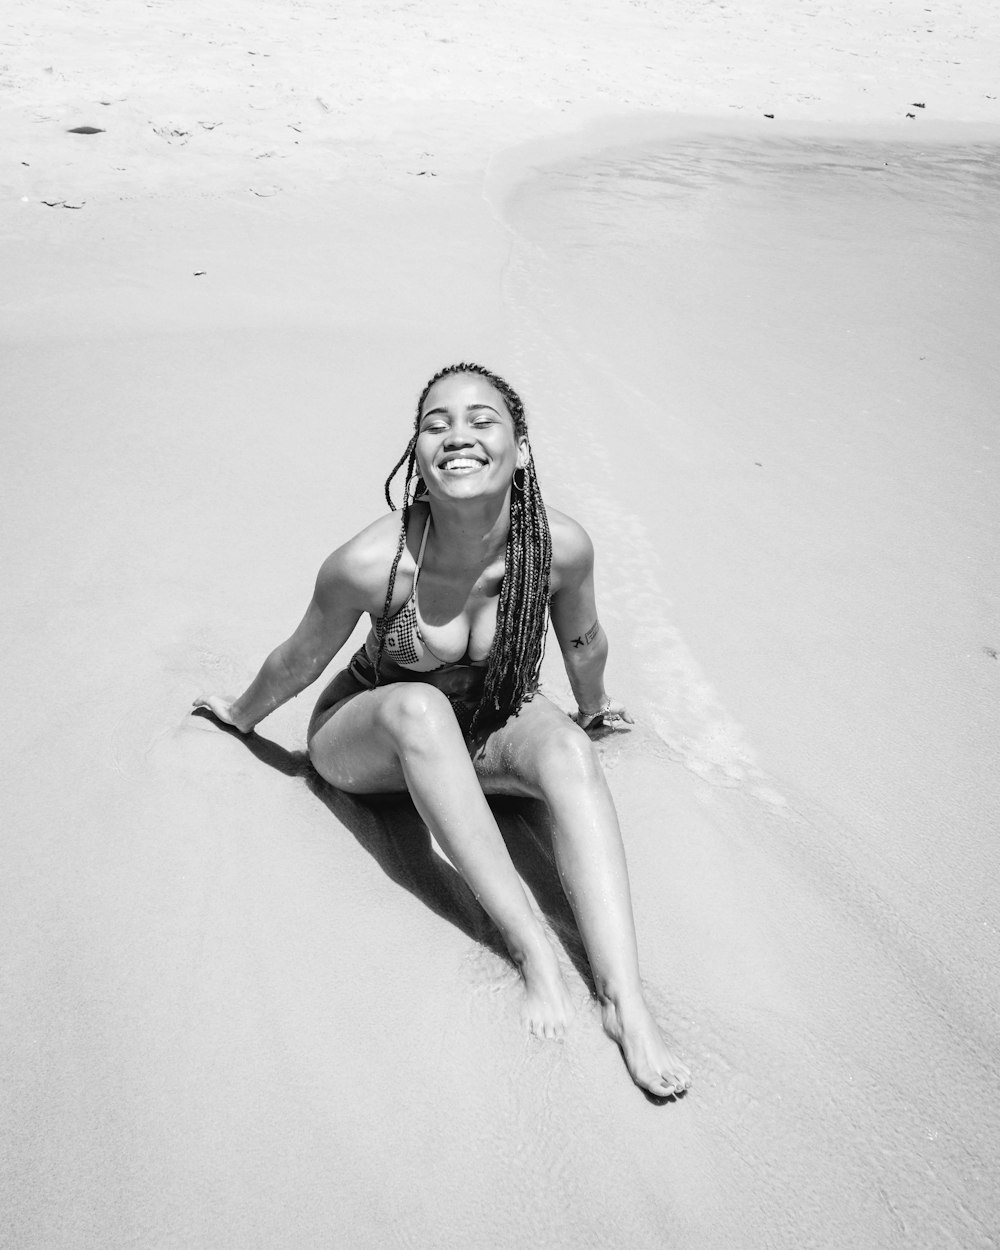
(389, 829)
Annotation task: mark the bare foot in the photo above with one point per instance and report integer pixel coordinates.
(548, 1008)
(650, 1062)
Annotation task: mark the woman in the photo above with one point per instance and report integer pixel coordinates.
(441, 700)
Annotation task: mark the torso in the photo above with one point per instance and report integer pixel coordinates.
(444, 621)
(452, 616)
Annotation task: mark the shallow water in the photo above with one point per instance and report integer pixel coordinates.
(778, 357)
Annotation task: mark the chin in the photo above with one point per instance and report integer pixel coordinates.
(469, 490)
(473, 484)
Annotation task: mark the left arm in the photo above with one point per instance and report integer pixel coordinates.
(582, 640)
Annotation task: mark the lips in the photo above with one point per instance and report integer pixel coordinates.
(462, 464)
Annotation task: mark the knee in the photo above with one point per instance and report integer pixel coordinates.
(412, 715)
(566, 756)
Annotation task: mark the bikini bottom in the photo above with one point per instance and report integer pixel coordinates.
(463, 702)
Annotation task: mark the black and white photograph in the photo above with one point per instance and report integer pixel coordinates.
(500, 530)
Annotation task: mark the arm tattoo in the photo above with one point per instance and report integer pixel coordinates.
(588, 637)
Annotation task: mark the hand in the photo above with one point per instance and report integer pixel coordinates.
(611, 716)
(222, 709)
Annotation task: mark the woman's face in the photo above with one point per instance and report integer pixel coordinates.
(466, 444)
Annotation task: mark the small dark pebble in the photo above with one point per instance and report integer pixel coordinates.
(771, 115)
(911, 114)
(917, 105)
(85, 130)
(200, 273)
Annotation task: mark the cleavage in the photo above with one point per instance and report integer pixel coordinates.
(465, 619)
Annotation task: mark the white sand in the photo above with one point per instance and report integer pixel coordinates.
(238, 1013)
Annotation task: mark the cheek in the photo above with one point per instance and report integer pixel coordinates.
(425, 454)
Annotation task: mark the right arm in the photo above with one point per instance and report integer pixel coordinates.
(339, 599)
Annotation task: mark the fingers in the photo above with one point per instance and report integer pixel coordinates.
(219, 708)
(213, 704)
(613, 716)
(616, 717)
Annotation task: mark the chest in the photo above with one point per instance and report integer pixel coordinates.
(457, 615)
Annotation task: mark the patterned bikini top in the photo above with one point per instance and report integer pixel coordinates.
(404, 643)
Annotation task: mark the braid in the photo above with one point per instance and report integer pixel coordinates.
(522, 606)
(409, 458)
(409, 454)
(522, 610)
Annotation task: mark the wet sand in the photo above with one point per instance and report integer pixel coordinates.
(242, 1010)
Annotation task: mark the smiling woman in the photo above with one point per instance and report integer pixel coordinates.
(470, 441)
(442, 699)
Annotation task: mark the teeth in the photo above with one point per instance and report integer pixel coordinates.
(462, 464)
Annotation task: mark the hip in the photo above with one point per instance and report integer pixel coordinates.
(462, 684)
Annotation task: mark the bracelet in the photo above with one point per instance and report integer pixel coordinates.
(603, 710)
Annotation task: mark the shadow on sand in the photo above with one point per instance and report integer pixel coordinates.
(389, 829)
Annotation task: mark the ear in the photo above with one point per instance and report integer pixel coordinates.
(523, 453)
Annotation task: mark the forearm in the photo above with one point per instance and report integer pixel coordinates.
(585, 669)
(276, 683)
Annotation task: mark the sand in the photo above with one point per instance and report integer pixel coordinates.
(240, 1010)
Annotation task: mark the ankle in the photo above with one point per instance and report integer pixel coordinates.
(623, 999)
(534, 953)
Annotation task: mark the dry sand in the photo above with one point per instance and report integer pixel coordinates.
(239, 1011)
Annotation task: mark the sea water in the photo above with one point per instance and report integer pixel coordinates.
(767, 380)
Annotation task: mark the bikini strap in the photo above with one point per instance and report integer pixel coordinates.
(420, 552)
(379, 620)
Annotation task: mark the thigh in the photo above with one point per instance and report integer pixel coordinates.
(346, 745)
(512, 760)
(357, 734)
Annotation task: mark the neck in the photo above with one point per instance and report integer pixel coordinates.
(473, 532)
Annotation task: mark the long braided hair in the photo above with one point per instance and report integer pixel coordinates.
(522, 607)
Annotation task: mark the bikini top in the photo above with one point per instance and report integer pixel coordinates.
(404, 643)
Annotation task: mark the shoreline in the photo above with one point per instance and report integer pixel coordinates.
(297, 98)
(613, 132)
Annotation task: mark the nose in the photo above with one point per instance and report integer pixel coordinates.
(458, 436)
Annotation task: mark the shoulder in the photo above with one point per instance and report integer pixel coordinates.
(572, 549)
(359, 568)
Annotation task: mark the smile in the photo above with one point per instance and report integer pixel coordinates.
(463, 464)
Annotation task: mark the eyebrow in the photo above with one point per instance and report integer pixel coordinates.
(469, 408)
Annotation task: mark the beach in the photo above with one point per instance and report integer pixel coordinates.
(743, 269)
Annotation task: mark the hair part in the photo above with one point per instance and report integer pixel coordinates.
(522, 607)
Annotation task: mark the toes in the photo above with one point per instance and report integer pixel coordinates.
(547, 1030)
(666, 1089)
(676, 1084)
(669, 1084)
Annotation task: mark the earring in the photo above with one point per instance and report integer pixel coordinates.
(518, 486)
(414, 492)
